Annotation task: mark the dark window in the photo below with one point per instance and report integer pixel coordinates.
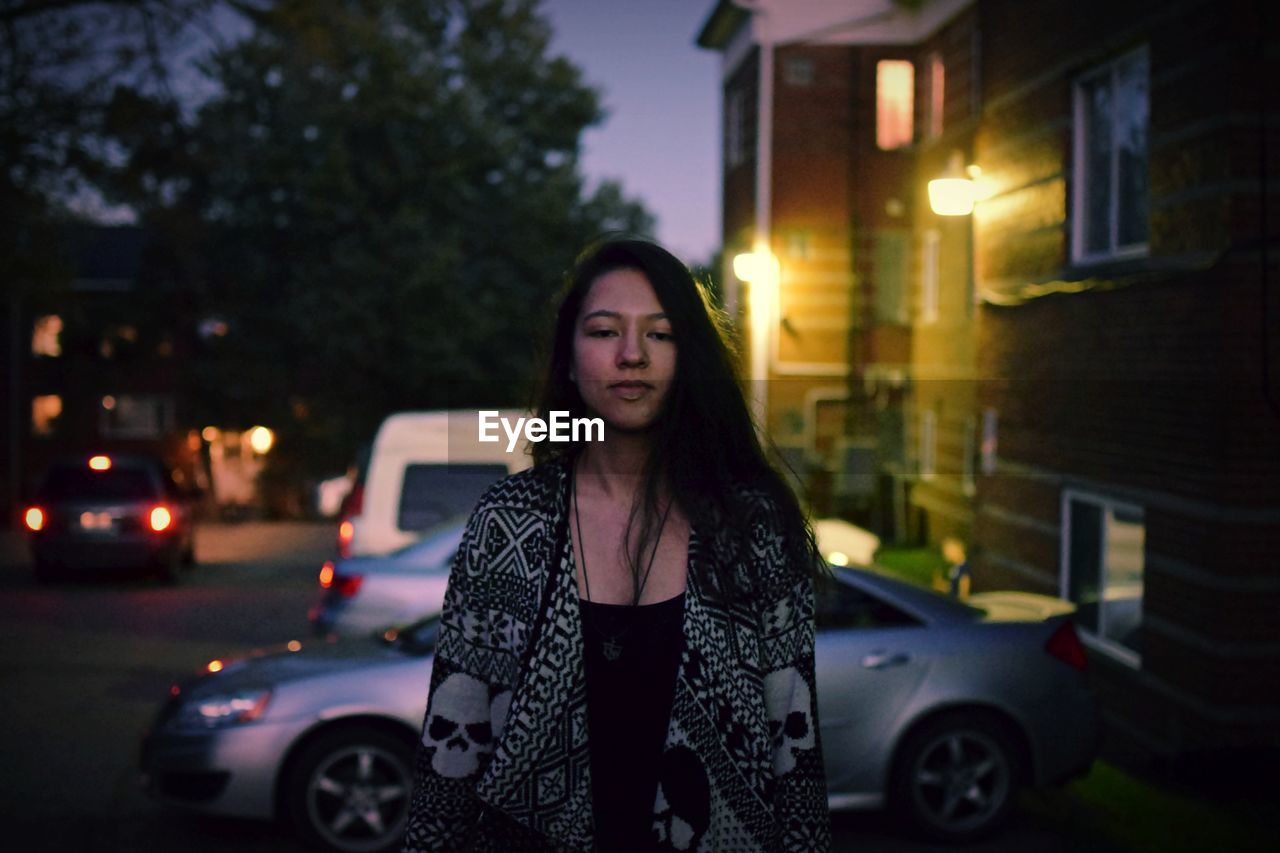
(1112, 117)
(81, 483)
(435, 493)
(892, 258)
(798, 70)
(843, 606)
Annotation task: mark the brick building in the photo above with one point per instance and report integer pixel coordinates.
(1081, 378)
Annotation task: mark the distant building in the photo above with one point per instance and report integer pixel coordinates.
(95, 361)
(1080, 378)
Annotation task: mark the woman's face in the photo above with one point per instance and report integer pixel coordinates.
(624, 353)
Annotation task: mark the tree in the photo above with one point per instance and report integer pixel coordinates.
(379, 201)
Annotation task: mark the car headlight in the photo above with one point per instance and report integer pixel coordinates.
(220, 710)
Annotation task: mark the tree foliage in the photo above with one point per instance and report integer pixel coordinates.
(377, 199)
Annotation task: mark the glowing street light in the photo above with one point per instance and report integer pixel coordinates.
(261, 439)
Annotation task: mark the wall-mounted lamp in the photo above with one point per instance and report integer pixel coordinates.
(953, 194)
(758, 267)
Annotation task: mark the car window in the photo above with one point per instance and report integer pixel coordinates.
(435, 493)
(118, 483)
(840, 605)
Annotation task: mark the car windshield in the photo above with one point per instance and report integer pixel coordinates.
(118, 483)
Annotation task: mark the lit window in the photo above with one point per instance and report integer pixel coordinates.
(930, 253)
(937, 97)
(1103, 548)
(45, 411)
(798, 71)
(46, 336)
(1110, 187)
(928, 444)
(895, 79)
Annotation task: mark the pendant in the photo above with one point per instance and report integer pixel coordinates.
(612, 649)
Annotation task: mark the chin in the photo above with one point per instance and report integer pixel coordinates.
(627, 422)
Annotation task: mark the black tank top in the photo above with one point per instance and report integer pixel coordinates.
(628, 711)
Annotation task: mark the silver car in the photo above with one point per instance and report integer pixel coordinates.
(360, 595)
(937, 709)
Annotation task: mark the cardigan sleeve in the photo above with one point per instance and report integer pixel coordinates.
(799, 785)
(466, 707)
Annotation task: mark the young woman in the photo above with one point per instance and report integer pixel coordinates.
(626, 655)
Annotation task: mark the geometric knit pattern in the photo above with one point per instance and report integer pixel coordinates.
(504, 762)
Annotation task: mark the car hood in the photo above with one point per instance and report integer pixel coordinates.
(276, 666)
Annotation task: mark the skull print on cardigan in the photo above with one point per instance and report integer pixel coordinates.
(741, 768)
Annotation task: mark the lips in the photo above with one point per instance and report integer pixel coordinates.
(630, 389)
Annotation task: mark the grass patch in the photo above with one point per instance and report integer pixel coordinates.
(1133, 815)
(912, 563)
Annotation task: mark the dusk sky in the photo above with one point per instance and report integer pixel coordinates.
(661, 91)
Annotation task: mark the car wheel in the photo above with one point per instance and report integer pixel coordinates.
(956, 778)
(349, 791)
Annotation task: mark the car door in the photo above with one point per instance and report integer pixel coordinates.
(871, 659)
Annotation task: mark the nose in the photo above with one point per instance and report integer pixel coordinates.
(631, 350)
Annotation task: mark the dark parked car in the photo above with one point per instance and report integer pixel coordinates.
(103, 512)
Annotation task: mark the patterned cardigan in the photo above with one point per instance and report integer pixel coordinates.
(503, 763)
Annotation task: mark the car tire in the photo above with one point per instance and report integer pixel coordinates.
(956, 778)
(348, 791)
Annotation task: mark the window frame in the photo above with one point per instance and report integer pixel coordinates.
(1097, 639)
(1079, 191)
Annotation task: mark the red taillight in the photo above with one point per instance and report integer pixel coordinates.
(160, 519)
(344, 586)
(346, 532)
(1065, 645)
(347, 585)
(34, 519)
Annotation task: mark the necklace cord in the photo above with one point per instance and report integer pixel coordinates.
(653, 555)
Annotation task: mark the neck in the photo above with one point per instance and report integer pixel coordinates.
(615, 465)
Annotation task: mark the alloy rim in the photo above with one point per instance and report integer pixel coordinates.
(357, 798)
(961, 780)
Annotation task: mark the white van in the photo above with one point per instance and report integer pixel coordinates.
(424, 468)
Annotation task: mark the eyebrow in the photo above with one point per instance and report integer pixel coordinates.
(614, 315)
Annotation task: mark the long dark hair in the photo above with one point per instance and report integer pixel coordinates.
(704, 446)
